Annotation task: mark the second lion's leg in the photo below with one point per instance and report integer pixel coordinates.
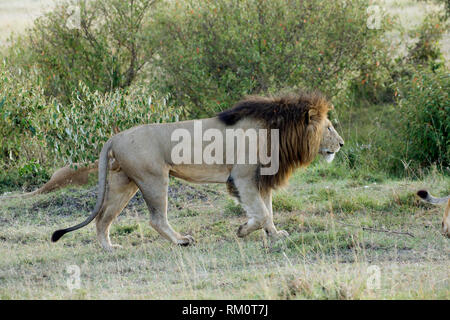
(120, 190)
(269, 226)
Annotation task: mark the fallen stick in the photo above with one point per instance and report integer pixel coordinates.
(376, 230)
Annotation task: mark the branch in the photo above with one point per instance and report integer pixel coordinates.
(376, 230)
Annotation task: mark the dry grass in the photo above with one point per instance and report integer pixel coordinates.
(322, 258)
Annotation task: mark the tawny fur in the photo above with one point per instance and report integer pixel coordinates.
(77, 174)
(426, 196)
(140, 158)
(446, 220)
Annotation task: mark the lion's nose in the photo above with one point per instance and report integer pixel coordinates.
(341, 144)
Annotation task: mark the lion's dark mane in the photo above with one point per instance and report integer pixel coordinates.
(299, 118)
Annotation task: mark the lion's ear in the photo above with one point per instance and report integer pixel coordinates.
(311, 113)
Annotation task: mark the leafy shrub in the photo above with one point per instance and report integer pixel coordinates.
(375, 81)
(380, 70)
(32, 168)
(398, 138)
(28, 176)
(43, 131)
(22, 102)
(424, 118)
(77, 133)
(102, 43)
(370, 135)
(426, 50)
(212, 53)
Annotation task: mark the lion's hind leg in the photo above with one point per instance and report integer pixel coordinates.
(154, 190)
(120, 190)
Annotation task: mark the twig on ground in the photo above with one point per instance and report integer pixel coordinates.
(376, 230)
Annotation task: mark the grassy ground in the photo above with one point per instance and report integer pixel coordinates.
(336, 249)
(327, 256)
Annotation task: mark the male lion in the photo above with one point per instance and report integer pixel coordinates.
(426, 196)
(141, 158)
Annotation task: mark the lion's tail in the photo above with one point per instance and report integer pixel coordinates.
(425, 195)
(102, 173)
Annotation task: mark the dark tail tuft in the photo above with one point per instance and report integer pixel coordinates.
(58, 234)
(423, 194)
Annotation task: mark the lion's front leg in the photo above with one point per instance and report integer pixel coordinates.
(269, 226)
(253, 204)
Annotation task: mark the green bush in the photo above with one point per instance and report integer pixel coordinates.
(103, 43)
(381, 69)
(213, 52)
(64, 91)
(39, 131)
(22, 103)
(426, 50)
(375, 81)
(76, 133)
(27, 177)
(424, 118)
(399, 138)
(369, 131)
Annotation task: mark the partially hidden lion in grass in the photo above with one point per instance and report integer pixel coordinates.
(141, 158)
(426, 196)
(77, 174)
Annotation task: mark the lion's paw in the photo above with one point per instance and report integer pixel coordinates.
(277, 234)
(242, 230)
(186, 241)
(111, 247)
(282, 234)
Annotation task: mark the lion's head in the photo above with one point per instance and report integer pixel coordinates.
(331, 141)
(304, 130)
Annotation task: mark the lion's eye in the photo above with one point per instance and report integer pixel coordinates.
(329, 128)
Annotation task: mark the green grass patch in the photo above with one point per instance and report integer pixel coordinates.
(232, 208)
(283, 201)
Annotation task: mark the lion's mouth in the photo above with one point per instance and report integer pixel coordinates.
(328, 155)
(326, 152)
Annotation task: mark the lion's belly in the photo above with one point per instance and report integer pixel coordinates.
(202, 173)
